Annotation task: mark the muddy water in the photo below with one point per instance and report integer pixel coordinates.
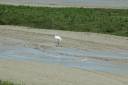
(105, 61)
(102, 3)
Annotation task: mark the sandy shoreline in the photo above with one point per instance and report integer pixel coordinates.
(35, 73)
(39, 38)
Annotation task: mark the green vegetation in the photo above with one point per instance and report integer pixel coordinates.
(9, 83)
(110, 21)
(6, 83)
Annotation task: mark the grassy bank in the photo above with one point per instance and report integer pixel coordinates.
(7, 83)
(111, 21)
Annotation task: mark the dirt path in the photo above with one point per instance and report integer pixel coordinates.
(35, 73)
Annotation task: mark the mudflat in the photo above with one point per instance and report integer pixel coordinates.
(33, 73)
(37, 73)
(39, 38)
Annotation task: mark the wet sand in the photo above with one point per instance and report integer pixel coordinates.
(42, 38)
(37, 73)
(33, 73)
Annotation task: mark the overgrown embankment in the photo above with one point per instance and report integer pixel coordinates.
(110, 21)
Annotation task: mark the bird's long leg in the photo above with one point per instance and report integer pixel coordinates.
(58, 43)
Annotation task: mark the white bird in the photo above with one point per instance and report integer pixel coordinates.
(58, 39)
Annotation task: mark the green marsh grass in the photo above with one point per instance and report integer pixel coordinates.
(109, 21)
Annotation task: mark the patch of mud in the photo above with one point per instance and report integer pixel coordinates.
(103, 61)
(100, 52)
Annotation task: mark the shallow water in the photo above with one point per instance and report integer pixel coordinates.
(71, 58)
(113, 3)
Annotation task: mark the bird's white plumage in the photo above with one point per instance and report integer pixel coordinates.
(58, 39)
